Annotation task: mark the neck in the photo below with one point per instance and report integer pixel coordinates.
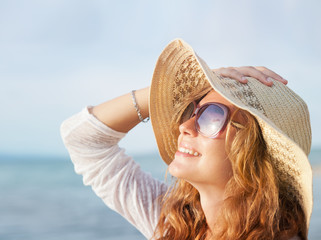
(211, 199)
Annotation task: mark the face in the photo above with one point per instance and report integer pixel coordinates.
(207, 162)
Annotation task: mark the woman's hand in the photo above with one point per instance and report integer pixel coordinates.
(262, 74)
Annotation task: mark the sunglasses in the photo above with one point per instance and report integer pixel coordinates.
(210, 118)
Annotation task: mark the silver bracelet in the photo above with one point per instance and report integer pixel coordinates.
(138, 110)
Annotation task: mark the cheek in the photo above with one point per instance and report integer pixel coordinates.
(215, 148)
(216, 163)
(216, 159)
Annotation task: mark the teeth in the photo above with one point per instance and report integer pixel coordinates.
(188, 151)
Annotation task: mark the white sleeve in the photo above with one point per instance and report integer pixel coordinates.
(115, 177)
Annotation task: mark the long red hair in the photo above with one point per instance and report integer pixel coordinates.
(255, 205)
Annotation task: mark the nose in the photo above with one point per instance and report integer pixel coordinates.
(188, 127)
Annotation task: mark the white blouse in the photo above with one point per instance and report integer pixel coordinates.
(115, 177)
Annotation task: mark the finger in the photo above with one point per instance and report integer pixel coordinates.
(272, 74)
(255, 73)
(230, 72)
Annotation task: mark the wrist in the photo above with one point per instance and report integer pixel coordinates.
(140, 100)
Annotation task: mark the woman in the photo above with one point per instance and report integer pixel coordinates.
(238, 151)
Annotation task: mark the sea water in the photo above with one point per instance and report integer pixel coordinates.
(42, 198)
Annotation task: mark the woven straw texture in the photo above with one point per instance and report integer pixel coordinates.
(283, 116)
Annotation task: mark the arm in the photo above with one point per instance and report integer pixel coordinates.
(115, 177)
(126, 117)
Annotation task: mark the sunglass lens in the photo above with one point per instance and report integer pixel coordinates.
(211, 120)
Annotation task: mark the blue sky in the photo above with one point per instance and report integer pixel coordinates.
(58, 56)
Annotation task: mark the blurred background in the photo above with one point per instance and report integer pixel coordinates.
(58, 56)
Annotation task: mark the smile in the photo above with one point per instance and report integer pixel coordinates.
(188, 151)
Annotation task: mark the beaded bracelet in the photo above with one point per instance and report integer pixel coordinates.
(138, 110)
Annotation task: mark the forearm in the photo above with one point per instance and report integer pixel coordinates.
(120, 113)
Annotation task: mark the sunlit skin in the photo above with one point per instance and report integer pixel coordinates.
(211, 170)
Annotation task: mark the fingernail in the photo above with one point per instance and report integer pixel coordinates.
(244, 79)
(269, 80)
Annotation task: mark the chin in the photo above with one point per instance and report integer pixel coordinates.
(180, 171)
(173, 169)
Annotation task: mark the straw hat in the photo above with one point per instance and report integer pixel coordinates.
(282, 115)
